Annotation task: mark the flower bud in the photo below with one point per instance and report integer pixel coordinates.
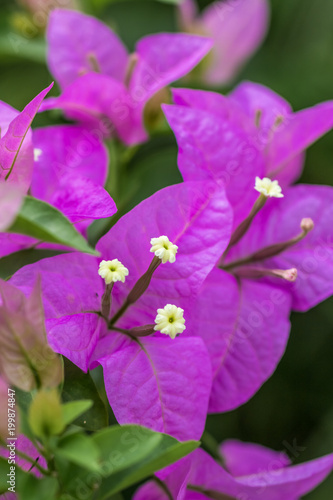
(307, 224)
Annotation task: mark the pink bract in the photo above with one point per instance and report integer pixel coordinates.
(155, 381)
(237, 28)
(102, 85)
(267, 475)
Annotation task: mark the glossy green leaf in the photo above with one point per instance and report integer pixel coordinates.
(80, 450)
(128, 454)
(79, 385)
(45, 223)
(136, 453)
(165, 452)
(13, 262)
(74, 409)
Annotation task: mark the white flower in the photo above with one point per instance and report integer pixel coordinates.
(170, 320)
(112, 271)
(164, 249)
(37, 153)
(268, 187)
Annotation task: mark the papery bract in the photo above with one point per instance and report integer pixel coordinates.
(237, 29)
(70, 169)
(109, 93)
(11, 170)
(26, 359)
(312, 257)
(268, 475)
(279, 134)
(245, 326)
(74, 52)
(212, 148)
(249, 333)
(11, 198)
(143, 373)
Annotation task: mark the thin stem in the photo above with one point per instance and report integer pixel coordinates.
(163, 487)
(118, 314)
(33, 462)
(138, 289)
(243, 227)
(215, 495)
(266, 252)
(212, 446)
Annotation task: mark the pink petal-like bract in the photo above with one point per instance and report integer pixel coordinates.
(11, 142)
(73, 52)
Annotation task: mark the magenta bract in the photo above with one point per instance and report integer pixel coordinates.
(237, 29)
(154, 381)
(251, 471)
(102, 85)
(16, 151)
(218, 137)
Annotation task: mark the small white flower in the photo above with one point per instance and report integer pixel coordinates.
(268, 187)
(37, 153)
(170, 320)
(164, 249)
(112, 271)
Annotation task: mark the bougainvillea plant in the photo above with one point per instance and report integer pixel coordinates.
(125, 321)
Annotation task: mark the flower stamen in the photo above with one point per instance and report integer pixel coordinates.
(112, 271)
(170, 320)
(164, 249)
(268, 188)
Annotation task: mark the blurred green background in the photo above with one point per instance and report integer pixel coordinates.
(296, 60)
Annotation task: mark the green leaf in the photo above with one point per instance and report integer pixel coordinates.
(165, 451)
(128, 454)
(13, 262)
(80, 450)
(4, 469)
(29, 487)
(44, 222)
(74, 409)
(45, 414)
(79, 385)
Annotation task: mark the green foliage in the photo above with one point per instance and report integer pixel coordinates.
(301, 30)
(3, 475)
(45, 414)
(45, 223)
(31, 488)
(127, 455)
(79, 449)
(14, 261)
(77, 386)
(136, 454)
(73, 409)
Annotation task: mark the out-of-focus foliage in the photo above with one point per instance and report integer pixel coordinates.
(293, 410)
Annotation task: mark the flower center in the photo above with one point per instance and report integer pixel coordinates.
(170, 320)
